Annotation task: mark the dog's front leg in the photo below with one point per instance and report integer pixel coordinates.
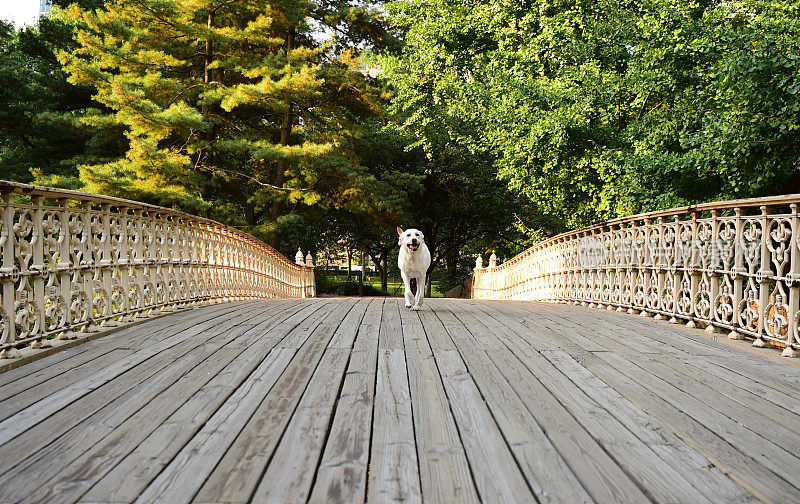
(407, 284)
(420, 292)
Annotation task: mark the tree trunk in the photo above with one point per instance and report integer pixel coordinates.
(380, 264)
(349, 263)
(250, 214)
(208, 73)
(278, 206)
(206, 155)
(384, 271)
(361, 276)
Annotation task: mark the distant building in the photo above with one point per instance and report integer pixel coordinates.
(45, 6)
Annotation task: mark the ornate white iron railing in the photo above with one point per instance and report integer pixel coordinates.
(71, 262)
(732, 265)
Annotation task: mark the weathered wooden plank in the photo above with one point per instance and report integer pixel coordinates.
(391, 336)
(292, 468)
(710, 480)
(342, 473)
(745, 470)
(40, 424)
(394, 466)
(783, 378)
(497, 475)
(776, 395)
(43, 383)
(467, 315)
(740, 404)
(232, 475)
(666, 483)
(39, 370)
(290, 472)
(706, 401)
(195, 395)
(50, 460)
(546, 471)
(600, 475)
(444, 470)
(132, 475)
(346, 332)
(598, 472)
(554, 421)
(674, 350)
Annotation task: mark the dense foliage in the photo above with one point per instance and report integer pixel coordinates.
(596, 109)
(488, 124)
(42, 137)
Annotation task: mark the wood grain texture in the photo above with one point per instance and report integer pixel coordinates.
(717, 448)
(109, 424)
(342, 473)
(291, 471)
(547, 471)
(113, 390)
(347, 400)
(393, 473)
(445, 473)
(493, 465)
(40, 385)
(159, 430)
(690, 389)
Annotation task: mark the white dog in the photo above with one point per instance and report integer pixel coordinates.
(414, 261)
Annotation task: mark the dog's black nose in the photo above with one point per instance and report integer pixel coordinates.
(414, 241)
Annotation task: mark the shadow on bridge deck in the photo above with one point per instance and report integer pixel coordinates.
(338, 400)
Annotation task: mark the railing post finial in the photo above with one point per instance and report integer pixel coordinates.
(479, 262)
(298, 257)
(493, 260)
(309, 260)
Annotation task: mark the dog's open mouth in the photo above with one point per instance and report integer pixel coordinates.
(413, 246)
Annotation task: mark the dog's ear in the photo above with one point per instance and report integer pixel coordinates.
(399, 231)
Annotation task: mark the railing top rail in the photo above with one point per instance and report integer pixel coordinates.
(8, 187)
(767, 201)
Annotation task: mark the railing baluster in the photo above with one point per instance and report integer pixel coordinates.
(713, 267)
(793, 282)
(90, 260)
(694, 271)
(36, 271)
(762, 277)
(8, 277)
(718, 272)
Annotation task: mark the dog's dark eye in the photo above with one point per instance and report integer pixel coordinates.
(417, 234)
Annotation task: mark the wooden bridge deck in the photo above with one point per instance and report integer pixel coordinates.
(342, 400)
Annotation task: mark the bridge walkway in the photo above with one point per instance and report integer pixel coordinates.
(347, 400)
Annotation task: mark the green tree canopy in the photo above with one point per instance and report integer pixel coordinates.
(239, 109)
(600, 109)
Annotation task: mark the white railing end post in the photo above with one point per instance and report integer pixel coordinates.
(298, 257)
(479, 262)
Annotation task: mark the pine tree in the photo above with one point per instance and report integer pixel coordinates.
(238, 109)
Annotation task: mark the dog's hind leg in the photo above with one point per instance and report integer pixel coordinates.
(407, 284)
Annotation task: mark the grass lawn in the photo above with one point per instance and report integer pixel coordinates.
(394, 285)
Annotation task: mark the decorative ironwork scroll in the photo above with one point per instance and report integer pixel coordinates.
(732, 266)
(71, 262)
